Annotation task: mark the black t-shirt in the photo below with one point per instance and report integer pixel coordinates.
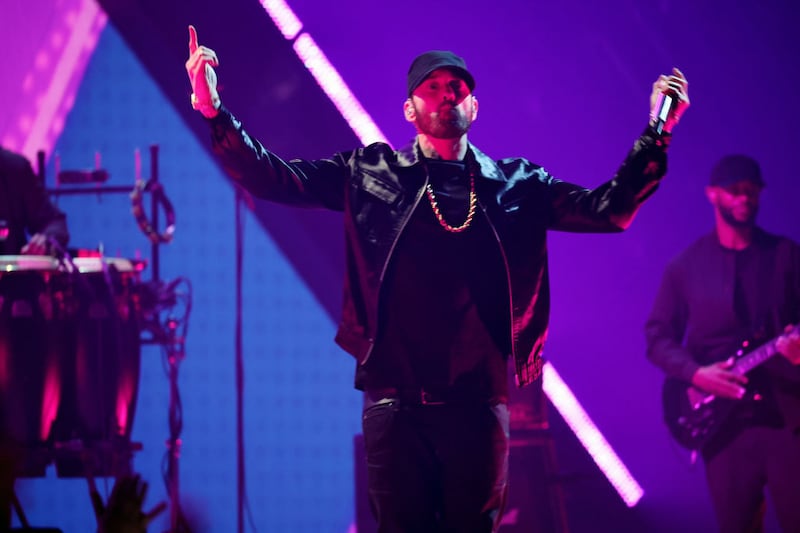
(752, 315)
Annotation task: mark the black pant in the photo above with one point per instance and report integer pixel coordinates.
(756, 458)
(437, 468)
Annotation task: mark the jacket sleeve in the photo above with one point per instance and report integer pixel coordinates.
(612, 205)
(302, 183)
(666, 326)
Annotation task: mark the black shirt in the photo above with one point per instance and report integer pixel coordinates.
(443, 294)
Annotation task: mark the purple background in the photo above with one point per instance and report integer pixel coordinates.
(565, 86)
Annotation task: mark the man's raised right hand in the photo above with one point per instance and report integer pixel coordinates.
(200, 68)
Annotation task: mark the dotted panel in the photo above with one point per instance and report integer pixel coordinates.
(300, 409)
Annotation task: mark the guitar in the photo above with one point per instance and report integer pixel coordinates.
(694, 416)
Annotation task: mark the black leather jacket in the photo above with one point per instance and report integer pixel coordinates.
(378, 189)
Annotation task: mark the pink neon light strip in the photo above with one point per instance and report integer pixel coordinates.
(326, 75)
(337, 90)
(367, 131)
(57, 100)
(283, 17)
(598, 447)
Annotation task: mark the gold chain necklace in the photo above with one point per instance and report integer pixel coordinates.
(473, 200)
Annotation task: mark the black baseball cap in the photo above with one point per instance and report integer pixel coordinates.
(425, 63)
(735, 168)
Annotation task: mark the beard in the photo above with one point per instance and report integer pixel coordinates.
(448, 122)
(747, 221)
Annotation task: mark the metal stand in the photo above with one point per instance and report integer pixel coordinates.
(170, 333)
(157, 299)
(241, 485)
(175, 354)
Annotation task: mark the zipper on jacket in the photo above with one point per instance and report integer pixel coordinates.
(508, 283)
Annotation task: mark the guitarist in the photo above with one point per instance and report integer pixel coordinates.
(738, 282)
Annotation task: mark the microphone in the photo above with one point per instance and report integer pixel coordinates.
(663, 107)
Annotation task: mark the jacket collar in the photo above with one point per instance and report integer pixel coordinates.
(409, 156)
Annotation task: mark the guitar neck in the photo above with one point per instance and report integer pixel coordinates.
(751, 360)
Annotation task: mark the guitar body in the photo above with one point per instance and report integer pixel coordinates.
(692, 416)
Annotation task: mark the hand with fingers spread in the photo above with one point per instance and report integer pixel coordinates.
(676, 86)
(123, 512)
(202, 76)
(718, 380)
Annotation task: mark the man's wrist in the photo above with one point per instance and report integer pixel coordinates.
(661, 139)
(208, 108)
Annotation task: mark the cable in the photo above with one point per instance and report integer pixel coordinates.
(169, 324)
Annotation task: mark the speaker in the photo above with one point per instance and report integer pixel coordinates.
(535, 495)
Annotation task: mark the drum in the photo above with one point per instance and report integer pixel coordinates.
(32, 334)
(100, 367)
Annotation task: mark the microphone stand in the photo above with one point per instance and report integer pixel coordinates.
(239, 364)
(175, 353)
(175, 347)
